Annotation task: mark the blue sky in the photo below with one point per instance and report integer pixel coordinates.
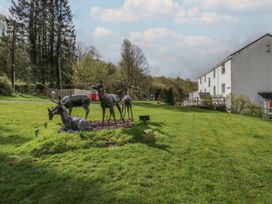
(179, 38)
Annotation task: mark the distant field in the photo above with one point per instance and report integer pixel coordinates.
(198, 157)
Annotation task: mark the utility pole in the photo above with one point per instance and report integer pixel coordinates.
(60, 79)
(13, 73)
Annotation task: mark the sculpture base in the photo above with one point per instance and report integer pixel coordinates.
(97, 125)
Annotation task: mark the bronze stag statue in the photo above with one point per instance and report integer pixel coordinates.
(108, 101)
(79, 100)
(70, 123)
(127, 105)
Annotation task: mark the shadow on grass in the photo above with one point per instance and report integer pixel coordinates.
(172, 108)
(25, 180)
(139, 136)
(9, 138)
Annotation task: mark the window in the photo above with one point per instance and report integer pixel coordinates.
(209, 81)
(214, 73)
(214, 90)
(223, 69)
(200, 80)
(223, 88)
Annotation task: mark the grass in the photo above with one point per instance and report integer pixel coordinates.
(199, 156)
(23, 97)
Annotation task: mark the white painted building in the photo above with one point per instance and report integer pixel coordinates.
(247, 71)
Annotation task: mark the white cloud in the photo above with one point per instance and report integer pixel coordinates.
(155, 34)
(195, 16)
(111, 15)
(102, 32)
(171, 53)
(198, 41)
(133, 10)
(3, 11)
(233, 4)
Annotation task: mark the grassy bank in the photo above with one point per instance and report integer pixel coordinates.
(198, 157)
(23, 97)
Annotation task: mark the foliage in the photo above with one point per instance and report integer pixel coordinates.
(133, 66)
(169, 96)
(199, 156)
(4, 47)
(90, 69)
(5, 86)
(254, 111)
(46, 37)
(181, 87)
(239, 103)
(242, 105)
(22, 61)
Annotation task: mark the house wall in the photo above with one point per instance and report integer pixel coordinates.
(217, 81)
(252, 71)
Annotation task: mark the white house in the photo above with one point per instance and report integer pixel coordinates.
(248, 71)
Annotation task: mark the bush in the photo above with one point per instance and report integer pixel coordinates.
(171, 99)
(239, 103)
(168, 96)
(242, 105)
(254, 111)
(5, 86)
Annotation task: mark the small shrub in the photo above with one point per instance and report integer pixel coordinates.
(5, 86)
(239, 103)
(254, 111)
(242, 105)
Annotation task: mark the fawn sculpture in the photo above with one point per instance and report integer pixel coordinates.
(127, 105)
(70, 123)
(79, 100)
(108, 101)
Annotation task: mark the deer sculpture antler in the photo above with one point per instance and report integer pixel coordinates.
(54, 101)
(65, 100)
(73, 101)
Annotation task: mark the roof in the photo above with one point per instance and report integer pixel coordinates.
(266, 95)
(231, 55)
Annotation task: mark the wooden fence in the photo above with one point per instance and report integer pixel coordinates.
(65, 92)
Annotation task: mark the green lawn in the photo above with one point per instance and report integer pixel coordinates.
(198, 157)
(23, 97)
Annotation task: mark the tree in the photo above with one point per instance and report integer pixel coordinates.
(171, 99)
(4, 47)
(46, 29)
(133, 65)
(90, 69)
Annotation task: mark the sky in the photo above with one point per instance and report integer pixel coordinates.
(178, 37)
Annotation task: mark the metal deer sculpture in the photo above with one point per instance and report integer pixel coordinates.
(77, 101)
(70, 123)
(108, 101)
(127, 105)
